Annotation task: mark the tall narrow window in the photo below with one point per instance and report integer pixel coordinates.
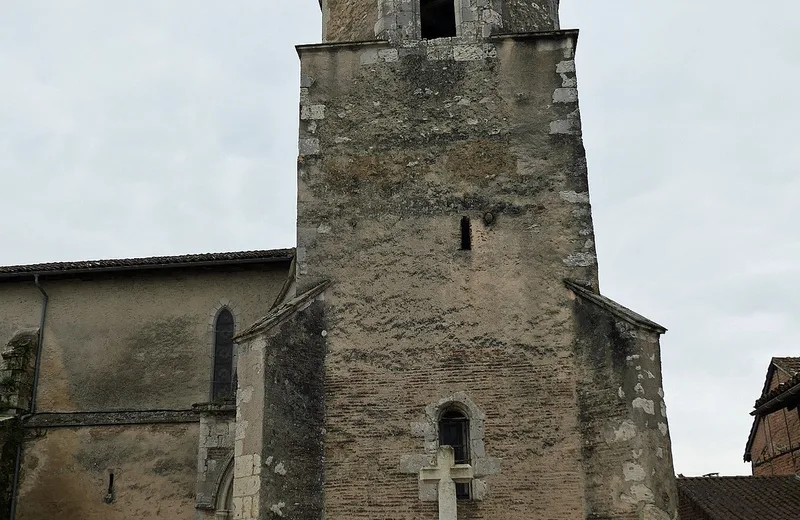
(222, 385)
(438, 18)
(454, 432)
(109, 498)
(466, 234)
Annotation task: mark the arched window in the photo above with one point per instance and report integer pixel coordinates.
(437, 18)
(222, 383)
(454, 432)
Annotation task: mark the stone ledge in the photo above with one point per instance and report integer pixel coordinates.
(538, 35)
(115, 418)
(226, 407)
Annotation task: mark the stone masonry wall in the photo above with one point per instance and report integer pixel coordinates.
(10, 439)
(397, 144)
(66, 471)
(16, 386)
(623, 419)
(248, 443)
(527, 16)
(137, 341)
(217, 434)
(294, 414)
(349, 20)
(280, 416)
(17, 372)
(366, 20)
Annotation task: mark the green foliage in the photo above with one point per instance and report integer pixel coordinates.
(8, 384)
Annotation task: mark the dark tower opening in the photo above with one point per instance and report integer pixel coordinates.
(438, 18)
(466, 234)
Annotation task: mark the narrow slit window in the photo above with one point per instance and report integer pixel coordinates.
(109, 498)
(466, 234)
(454, 432)
(438, 18)
(222, 384)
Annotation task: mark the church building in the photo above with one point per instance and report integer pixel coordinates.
(436, 346)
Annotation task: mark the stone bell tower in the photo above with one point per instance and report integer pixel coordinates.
(445, 239)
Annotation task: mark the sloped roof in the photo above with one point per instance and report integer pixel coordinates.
(282, 311)
(153, 262)
(743, 498)
(781, 389)
(614, 308)
(789, 365)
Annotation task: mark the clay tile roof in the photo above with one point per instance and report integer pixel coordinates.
(790, 365)
(778, 391)
(742, 498)
(153, 262)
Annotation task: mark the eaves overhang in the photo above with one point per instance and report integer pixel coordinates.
(203, 260)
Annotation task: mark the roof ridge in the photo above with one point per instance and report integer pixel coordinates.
(278, 313)
(776, 392)
(254, 255)
(144, 258)
(785, 364)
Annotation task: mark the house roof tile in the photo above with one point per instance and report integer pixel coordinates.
(743, 498)
(778, 390)
(789, 365)
(153, 262)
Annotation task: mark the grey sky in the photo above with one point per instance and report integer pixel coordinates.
(153, 127)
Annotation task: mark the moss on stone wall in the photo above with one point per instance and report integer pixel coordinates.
(16, 377)
(16, 382)
(10, 440)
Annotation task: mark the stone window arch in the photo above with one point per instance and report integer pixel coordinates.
(459, 402)
(427, 430)
(453, 431)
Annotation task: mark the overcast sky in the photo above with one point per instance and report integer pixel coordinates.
(154, 127)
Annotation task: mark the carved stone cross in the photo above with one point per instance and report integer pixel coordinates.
(447, 473)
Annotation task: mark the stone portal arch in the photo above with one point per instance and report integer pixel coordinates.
(223, 505)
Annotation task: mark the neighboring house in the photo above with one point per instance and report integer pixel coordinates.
(773, 447)
(739, 498)
(773, 492)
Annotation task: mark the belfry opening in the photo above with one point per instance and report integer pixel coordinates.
(438, 18)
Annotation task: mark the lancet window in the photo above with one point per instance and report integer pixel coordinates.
(222, 382)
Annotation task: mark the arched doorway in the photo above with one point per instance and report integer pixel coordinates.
(223, 508)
